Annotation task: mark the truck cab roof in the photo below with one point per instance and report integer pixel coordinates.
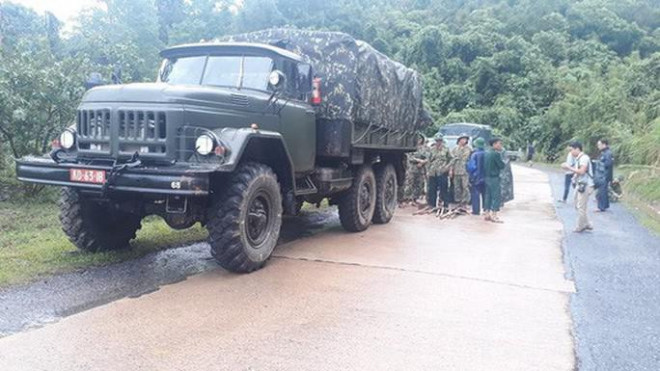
(230, 47)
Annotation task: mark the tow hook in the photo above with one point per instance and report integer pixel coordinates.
(117, 169)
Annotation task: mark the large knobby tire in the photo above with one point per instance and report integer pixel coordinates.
(94, 227)
(245, 220)
(356, 206)
(386, 194)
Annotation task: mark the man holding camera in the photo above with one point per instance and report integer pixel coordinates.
(583, 183)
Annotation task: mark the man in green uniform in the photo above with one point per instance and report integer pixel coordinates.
(493, 165)
(461, 179)
(440, 162)
(416, 172)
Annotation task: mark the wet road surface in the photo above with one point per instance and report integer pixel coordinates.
(417, 294)
(50, 298)
(616, 268)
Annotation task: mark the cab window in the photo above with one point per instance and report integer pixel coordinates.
(233, 71)
(298, 80)
(183, 71)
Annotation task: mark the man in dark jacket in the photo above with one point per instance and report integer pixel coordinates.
(605, 174)
(493, 165)
(475, 169)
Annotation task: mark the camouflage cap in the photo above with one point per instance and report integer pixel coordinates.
(463, 135)
(439, 136)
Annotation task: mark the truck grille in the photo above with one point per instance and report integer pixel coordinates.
(122, 131)
(94, 124)
(142, 125)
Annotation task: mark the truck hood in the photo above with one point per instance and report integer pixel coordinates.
(177, 94)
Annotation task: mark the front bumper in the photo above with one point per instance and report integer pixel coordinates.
(183, 180)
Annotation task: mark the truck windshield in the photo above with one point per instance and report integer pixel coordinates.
(241, 72)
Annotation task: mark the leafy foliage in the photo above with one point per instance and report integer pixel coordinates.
(545, 71)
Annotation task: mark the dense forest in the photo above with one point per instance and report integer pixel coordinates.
(544, 71)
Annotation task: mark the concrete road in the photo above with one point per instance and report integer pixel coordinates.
(417, 294)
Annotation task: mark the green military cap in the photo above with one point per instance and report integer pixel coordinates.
(479, 143)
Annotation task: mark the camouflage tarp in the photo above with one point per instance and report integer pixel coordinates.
(360, 84)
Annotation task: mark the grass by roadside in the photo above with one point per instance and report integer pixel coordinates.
(32, 244)
(642, 193)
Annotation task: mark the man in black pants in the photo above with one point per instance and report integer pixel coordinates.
(605, 176)
(440, 162)
(568, 176)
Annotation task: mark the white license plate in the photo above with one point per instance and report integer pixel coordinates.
(87, 176)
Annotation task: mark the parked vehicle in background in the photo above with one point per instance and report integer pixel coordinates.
(452, 132)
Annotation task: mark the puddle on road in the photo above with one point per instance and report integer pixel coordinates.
(51, 298)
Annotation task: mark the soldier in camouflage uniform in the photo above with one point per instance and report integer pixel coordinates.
(416, 172)
(460, 175)
(506, 179)
(440, 162)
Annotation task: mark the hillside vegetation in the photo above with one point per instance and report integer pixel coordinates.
(544, 71)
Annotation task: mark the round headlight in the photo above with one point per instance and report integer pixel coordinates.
(204, 145)
(67, 139)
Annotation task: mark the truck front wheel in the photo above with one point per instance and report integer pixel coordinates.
(244, 222)
(93, 226)
(386, 194)
(356, 206)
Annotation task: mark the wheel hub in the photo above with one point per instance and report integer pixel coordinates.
(365, 199)
(258, 219)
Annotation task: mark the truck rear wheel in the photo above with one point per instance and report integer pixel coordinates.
(386, 194)
(244, 222)
(356, 206)
(94, 227)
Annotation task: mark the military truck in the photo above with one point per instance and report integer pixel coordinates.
(234, 134)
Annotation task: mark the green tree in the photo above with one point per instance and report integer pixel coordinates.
(123, 35)
(203, 20)
(38, 98)
(170, 12)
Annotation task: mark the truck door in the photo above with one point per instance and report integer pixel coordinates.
(298, 117)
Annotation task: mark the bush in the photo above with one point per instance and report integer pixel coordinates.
(641, 149)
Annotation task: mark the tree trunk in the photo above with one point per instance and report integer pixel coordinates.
(10, 140)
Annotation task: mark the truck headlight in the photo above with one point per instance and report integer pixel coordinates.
(204, 144)
(67, 139)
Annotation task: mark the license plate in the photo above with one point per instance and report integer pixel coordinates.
(87, 176)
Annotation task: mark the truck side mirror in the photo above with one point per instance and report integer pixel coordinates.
(276, 80)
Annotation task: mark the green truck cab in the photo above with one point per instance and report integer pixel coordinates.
(231, 136)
